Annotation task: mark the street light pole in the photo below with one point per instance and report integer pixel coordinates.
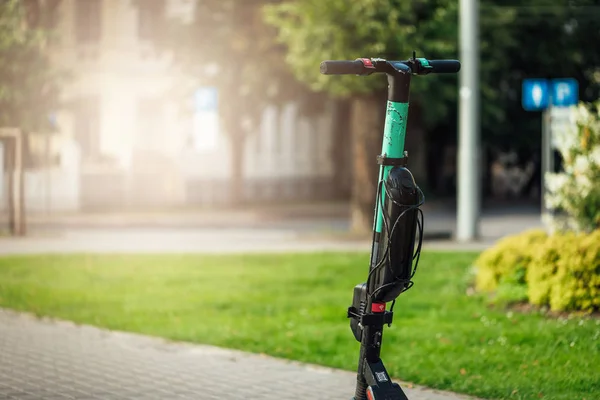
(468, 143)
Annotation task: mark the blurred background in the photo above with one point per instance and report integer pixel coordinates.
(162, 127)
(213, 112)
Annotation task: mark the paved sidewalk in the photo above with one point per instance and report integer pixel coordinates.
(312, 234)
(317, 227)
(198, 241)
(43, 359)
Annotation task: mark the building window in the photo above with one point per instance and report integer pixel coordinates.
(87, 126)
(151, 14)
(88, 21)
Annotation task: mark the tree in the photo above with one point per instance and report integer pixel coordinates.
(314, 30)
(29, 85)
(228, 45)
(510, 50)
(572, 52)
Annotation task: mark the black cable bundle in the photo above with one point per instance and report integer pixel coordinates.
(391, 279)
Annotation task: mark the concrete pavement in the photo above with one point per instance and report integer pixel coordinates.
(155, 241)
(44, 359)
(249, 231)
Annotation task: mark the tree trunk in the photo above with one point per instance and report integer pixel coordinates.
(236, 190)
(416, 145)
(231, 116)
(10, 168)
(368, 117)
(341, 151)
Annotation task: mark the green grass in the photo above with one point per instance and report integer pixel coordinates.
(293, 306)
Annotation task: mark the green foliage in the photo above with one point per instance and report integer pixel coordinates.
(507, 261)
(545, 268)
(510, 50)
(565, 273)
(561, 271)
(29, 85)
(314, 30)
(575, 190)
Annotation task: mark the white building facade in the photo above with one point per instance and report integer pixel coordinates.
(135, 146)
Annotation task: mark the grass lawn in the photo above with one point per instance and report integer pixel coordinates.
(294, 306)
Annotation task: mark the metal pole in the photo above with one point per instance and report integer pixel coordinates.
(468, 143)
(547, 164)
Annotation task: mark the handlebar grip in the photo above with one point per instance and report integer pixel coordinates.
(445, 66)
(342, 67)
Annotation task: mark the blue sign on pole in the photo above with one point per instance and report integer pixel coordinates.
(535, 94)
(206, 99)
(539, 94)
(565, 92)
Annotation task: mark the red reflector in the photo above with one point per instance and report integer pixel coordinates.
(367, 62)
(378, 307)
(370, 393)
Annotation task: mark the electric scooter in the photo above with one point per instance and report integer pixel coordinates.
(397, 226)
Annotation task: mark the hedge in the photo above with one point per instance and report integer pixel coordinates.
(561, 271)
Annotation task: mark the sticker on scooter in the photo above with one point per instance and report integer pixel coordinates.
(381, 377)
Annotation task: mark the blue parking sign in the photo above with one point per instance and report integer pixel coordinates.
(565, 92)
(535, 94)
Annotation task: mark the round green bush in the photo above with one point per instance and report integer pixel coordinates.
(507, 260)
(565, 273)
(561, 271)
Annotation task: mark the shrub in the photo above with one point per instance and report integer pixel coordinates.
(561, 271)
(565, 273)
(507, 261)
(542, 268)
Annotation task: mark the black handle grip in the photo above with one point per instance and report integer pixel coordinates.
(445, 66)
(342, 67)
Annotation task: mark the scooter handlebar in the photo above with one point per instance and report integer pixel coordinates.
(355, 67)
(445, 66)
(368, 66)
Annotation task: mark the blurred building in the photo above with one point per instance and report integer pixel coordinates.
(126, 140)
